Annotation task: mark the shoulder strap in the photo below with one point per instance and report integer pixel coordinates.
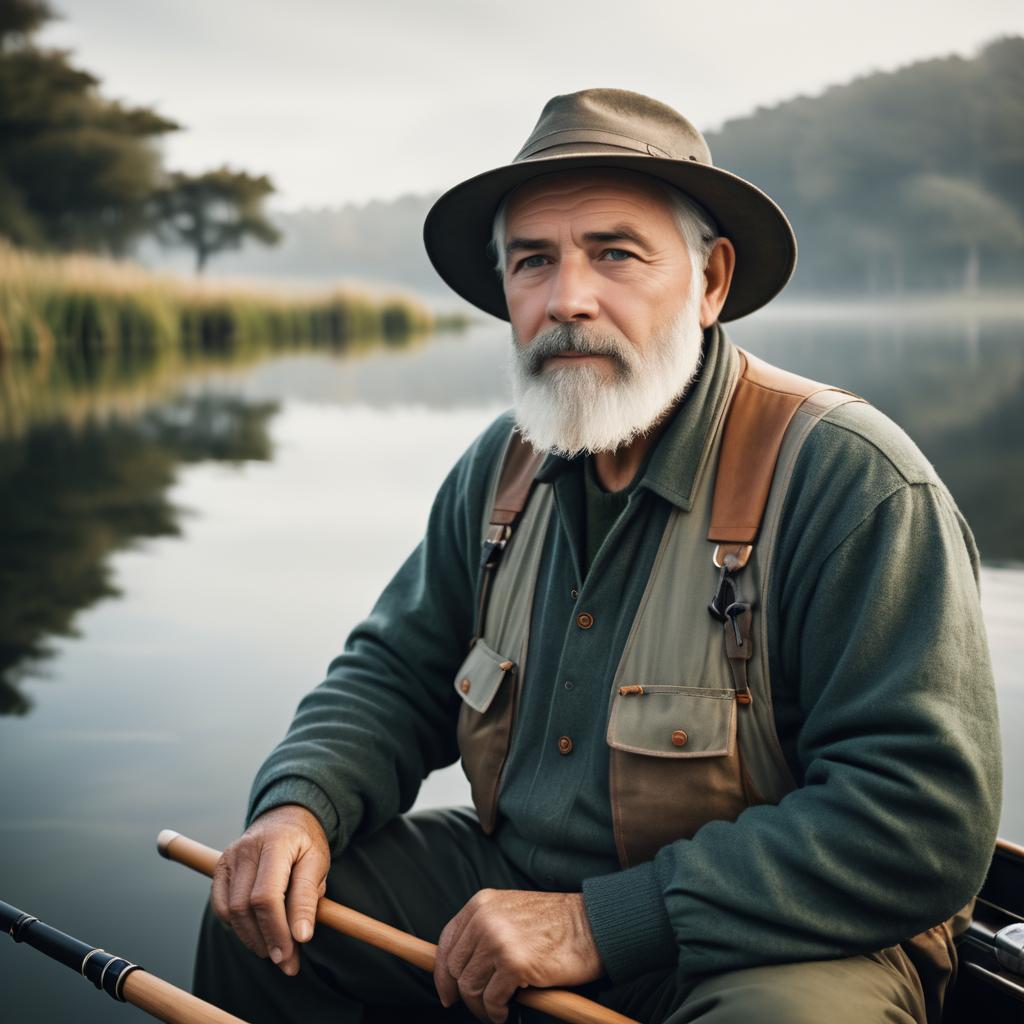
(763, 404)
(519, 466)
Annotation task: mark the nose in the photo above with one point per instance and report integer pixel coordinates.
(572, 295)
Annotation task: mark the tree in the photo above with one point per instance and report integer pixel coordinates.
(212, 212)
(960, 214)
(76, 170)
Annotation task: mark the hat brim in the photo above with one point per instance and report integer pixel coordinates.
(457, 229)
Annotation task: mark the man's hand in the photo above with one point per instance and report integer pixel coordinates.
(502, 940)
(267, 883)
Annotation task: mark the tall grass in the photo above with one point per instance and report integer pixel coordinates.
(55, 304)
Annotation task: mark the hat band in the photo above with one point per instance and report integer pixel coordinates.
(592, 135)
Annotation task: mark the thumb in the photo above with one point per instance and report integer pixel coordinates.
(305, 888)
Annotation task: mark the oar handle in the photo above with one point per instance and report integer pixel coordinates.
(564, 1005)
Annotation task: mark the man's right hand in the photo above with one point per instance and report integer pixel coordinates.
(268, 882)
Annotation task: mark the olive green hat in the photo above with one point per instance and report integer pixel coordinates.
(613, 128)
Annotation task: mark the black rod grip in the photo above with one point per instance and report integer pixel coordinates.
(103, 969)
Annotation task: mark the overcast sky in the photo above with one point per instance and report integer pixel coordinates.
(339, 100)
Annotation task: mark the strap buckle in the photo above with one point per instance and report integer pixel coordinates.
(494, 543)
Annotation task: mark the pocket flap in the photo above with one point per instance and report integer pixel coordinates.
(481, 675)
(673, 721)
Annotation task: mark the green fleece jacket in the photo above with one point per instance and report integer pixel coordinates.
(883, 697)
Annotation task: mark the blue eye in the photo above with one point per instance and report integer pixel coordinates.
(621, 252)
(525, 261)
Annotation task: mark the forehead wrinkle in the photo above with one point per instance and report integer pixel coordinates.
(546, 220)
(548, 205)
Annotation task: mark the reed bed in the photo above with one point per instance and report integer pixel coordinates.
(56, 304)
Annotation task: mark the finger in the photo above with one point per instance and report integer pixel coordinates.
(219, 891)
(463, 948)
(241, 875)
(473, 981)
(500, 989)
(447, 988)
(267, 901)
(308, 883)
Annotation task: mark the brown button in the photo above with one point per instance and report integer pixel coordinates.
(565, 745)
(679, 738)
(584, 620)
(464, 686)
(574, 593)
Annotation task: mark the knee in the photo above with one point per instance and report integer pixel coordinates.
(852, 990)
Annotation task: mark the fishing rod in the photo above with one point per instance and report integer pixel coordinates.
(119, 978)
(560, 1003)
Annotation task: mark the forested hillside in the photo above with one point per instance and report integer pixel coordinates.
(911, 180)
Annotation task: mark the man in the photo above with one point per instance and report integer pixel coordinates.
(688, 830)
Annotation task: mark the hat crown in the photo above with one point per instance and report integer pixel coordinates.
(605, 120)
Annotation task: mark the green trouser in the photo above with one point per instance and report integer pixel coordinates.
(418, 871)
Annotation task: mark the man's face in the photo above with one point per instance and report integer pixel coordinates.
(604, 306)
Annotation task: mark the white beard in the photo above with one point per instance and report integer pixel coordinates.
(570, 410)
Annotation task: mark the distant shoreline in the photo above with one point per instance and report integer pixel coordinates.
(988, 304)
(1004, 304)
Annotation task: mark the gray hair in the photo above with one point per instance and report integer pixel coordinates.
(697, 226)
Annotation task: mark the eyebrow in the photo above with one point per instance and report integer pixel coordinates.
(619, 233)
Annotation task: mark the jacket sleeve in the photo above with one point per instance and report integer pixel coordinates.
(361, 743)
(891, 830)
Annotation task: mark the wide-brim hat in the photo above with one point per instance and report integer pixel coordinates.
(613, 128)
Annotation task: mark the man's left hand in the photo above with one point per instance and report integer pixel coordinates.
(506, 939)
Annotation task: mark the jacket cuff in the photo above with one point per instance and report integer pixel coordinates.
(630, 924)
(297, 790)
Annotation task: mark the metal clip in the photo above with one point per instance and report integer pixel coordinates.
(494, 543)
(725, 594)
(733, 613)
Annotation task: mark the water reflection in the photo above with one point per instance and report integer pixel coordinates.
(957, 389)
(69, 496)
(173, 694)
(89, 447)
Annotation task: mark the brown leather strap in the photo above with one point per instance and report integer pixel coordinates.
(739, 648)
(518, 469)
(519, 466)
(763, 403)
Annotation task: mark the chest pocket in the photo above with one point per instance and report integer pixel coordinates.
(675, 764)
(673, 721)
(486, 683)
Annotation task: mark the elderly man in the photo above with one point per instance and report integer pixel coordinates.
(770, 807)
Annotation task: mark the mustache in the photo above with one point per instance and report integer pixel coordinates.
(571, 337)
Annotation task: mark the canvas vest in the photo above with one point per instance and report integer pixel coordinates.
(691, 731)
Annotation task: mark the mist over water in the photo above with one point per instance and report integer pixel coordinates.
(183, 552)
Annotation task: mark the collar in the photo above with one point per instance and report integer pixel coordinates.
(673, 468)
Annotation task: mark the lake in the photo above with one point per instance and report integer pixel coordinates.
(185, 546)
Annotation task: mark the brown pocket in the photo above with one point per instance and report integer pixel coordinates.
(675, 765)
(486, 683)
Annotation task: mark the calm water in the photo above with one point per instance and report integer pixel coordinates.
(183, 549)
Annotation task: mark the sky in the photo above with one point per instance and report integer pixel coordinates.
(342, 101)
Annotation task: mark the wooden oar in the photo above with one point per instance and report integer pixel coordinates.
(564, 1005)
(119, 978)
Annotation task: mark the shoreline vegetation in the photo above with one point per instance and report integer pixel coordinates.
(81, 303)
(85, 337)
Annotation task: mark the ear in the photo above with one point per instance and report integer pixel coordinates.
(717, 278)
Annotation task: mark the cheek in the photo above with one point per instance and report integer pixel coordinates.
(526, 308)
(637, 306)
